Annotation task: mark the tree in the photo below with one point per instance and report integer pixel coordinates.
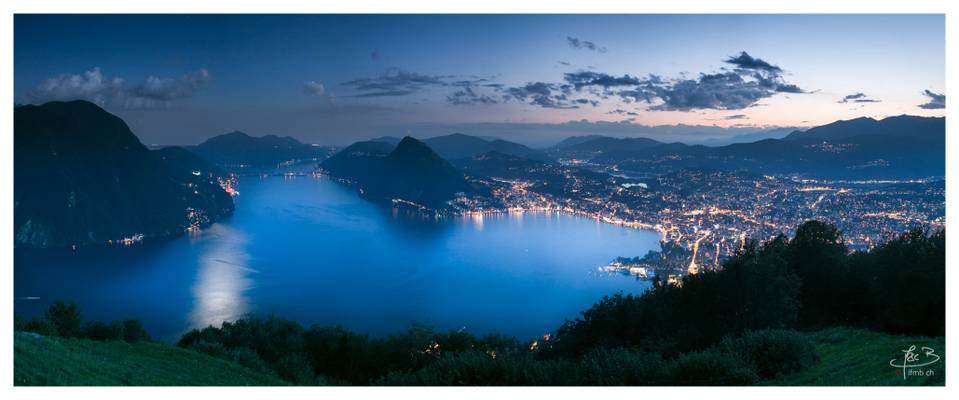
(65, 317)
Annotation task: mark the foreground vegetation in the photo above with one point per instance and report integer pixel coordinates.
(50, 361)
(775, 314)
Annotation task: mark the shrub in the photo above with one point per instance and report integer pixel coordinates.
(295, 368)
(41, 325)
(133, 331)
(772, 352)
(97, 330)
(65, 317)
(477, 368)
(709, 368)
(619, 367)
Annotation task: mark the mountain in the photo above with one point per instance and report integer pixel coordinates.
(411, 171)
(236, 149)
(775, 133)
(605, 147)
(360, 161)
(574, 140)
(458, 145)
(393, 140)
(863, 148)
(899, 126)
(81, 177)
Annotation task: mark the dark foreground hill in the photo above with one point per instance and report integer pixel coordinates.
(411, 171)
(848, 357)
(81, 177)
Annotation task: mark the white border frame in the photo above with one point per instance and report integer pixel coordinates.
(472, 6)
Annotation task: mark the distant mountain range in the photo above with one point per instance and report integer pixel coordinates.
(864, 148)
(82, 178)
(458, 145)
(240, 151)
(411, 171)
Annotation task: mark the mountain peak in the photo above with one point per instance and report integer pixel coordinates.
(410, 145)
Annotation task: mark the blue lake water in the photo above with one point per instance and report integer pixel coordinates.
(311, 250)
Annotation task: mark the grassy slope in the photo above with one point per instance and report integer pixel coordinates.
(849, 357)
(49, 361)
(856, 357)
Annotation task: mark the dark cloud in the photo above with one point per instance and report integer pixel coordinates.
(858, 98)
(467, 96)
(936, 100)
(737, 116)
(546, 95)
(589, 78)
(394, 82)
(751, 80)
(385, 93)
(584, 44)
(620, 111)
(721, 91)
(747, 62)
(114, 92)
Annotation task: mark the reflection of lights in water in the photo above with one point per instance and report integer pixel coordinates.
(222, 279)
(477, 218)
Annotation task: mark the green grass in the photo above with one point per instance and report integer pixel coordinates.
(848, 357)
(49, 361)
(856, 357)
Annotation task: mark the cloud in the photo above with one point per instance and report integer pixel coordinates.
(737, 116)
(315, 87)
(751, 80)
(858, 98)
(546, 95)
(590, 78)
(93, 86)
(394, 82)
(747, 62)
(720, 91)
(466, 96)
(621, 111)
(584, 44)
(936, 100)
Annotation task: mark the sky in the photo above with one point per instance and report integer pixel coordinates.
(535, 79)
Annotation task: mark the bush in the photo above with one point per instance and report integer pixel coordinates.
(709, 368)
(622, 367)
(772, 352)
(477, 368)
(97, 330)
(65, 317)
(41, 326)
(133, 331)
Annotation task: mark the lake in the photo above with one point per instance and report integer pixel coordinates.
(309, 249)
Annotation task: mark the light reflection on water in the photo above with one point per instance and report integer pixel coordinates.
(223, 278)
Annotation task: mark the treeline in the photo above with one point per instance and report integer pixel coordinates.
(735, 326)
(64, 319)
(809, 282)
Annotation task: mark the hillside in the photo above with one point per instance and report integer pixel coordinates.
(48, 361)
(847, 357)
(857, 357)
(411, 171)
(237, 149)
(458, 146)
(863, 148)
(81, 177)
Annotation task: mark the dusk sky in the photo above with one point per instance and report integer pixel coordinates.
(334, 79)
